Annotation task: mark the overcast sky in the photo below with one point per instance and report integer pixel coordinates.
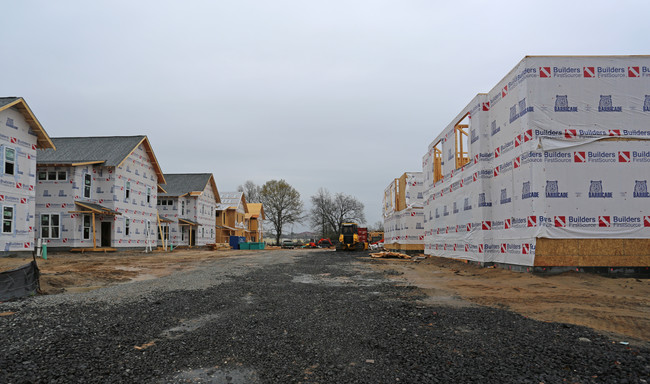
(344, 95)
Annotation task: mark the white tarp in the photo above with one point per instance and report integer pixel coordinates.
(551, 157)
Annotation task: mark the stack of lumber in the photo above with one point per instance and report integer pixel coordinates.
(398, 255)
(218, 246)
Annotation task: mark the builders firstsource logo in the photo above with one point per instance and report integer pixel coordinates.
(567, 72)
(594, 157)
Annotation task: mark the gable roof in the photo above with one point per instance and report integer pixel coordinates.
(110, 151)
(193, 184)
(232, 200)
(42, 139)
(255, 210)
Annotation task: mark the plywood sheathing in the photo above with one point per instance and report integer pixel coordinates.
(592, 252)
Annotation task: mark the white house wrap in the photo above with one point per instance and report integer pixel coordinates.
(403, 214)
(557, 150)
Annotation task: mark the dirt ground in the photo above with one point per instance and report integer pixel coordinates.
(75, 272)
(619, 307)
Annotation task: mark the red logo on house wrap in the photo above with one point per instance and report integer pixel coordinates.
(528, 135)
(570, 133)
(455, 247)
(525, 249)
(412, 213)
(33, 147)
(31, 188)
(13, 140)
(496, 171)
(507, 223)
(461, 183)
(589, 71)
(475, 177)
(545, 72)
(475, 159)
(444, 247)
(47, 205)
(486, 225)
(633, 72)
(614, 132)
(517, 162)
(421, 237)
(604, 221)
(504, 91)
(560, 221)
(437, 231)
(624, 156)
(63, 205)
(23, 200)
(517, 140)
(486, 106)
(480, 248)
(27, 245)
(504, 248)
(646, 221)
(19, 185)
(532, 221)
(469, 227)
(2, 197)
(65, 240)
(466, 247)
(497, 152)
(579, 157)
(457, 228)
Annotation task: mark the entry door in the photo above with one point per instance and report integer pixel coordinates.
(106, 234)
(193, 237)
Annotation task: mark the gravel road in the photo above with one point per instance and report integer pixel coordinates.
(293, 317)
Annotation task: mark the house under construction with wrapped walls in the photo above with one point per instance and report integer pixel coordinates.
(98, 193)
(548, 169)
(403, 214)
(21, 138)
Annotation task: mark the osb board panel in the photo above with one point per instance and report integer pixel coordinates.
(592, 252)
(401, 195)
(405, 247)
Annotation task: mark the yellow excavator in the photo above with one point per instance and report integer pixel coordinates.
(352, 238)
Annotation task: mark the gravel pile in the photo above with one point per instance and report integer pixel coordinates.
(291, 317)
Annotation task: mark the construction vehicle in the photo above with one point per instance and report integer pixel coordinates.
(352, 238)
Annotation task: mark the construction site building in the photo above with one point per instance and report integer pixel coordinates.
(21, 135)
(548, 169)
(187, 209)
(403, 214)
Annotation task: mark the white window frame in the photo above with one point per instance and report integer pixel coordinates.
(6, 161)
(127, 190)
(51, 226)
(89, 186)
(10, 220)
(83, 227)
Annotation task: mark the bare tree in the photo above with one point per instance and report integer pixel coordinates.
(329, 212)
(282, 205)
(251, 191)
(320, 219)
(347, 209)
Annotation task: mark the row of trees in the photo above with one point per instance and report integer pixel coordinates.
(283, 207)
